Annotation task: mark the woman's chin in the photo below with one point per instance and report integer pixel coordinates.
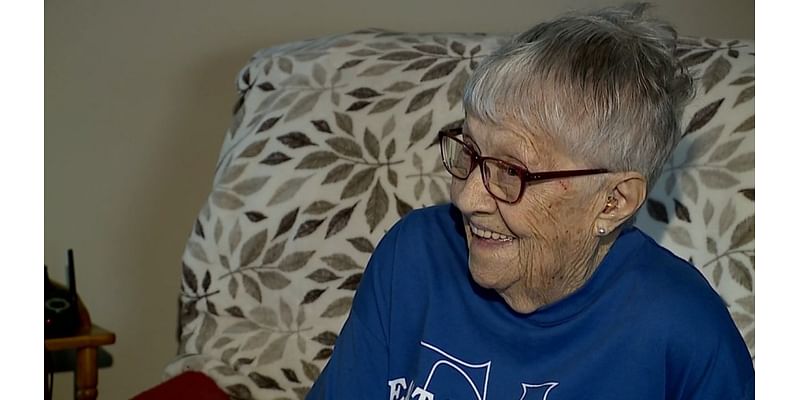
(496, 275)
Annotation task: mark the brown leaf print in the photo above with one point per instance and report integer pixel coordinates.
(702, 116)
(350, 63)
(400, 56)
(287, 222)
(455, 89)
(377, 206)
(285, 65)
(338, 173)
(378, 69)
(422, 99)
(273, 280)
(264, 382)
(340, 262)
(253, 149)
(319, 207)
(344, 122)
(715, 179)
(681, 211)
(251, 287)
(207, 330)
(702, 143)
(317, 160)
(255, 216)
(744, 233)
(312, 296)
(268, 124)
(725, 150)
(371, 144)
(358, 183)
(362, 244)
(308, 227)
(363, 93)
(338, 307)
(274, 350)
(189, 278)
(232, 173)
(250, 186)
(225, 200)
(326, 338)
(345, 146)
(287, 190)
(295, 261)
(420, 64)
(697, 58)
(458, 48)
(295, 140)
(358, 105)
(322, 125)
(747, 125)
(384, 105)
(742, 163)
(716, 72)
(745, 95)
(252, 248)
(274, 253)
(421, 128)
(439, 71)
(351, 283)
(304, 105)
(399, 87)
(740, 274)
(402, 207)
(275, 159)
(743, 80)
(322, 275)
(340, 220)
(432, 49)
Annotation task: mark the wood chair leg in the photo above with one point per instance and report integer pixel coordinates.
(86, 374)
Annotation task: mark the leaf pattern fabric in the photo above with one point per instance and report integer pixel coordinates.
(333, 140)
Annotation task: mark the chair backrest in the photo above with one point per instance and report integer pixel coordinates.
(333, 140)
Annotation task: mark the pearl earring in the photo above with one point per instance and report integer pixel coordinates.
(601, 231)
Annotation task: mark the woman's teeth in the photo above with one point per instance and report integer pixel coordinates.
(488, 234)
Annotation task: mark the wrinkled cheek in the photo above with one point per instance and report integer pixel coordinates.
(456, 187)
(539, 246)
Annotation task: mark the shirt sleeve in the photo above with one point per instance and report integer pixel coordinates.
(714, 364)
(358, 368)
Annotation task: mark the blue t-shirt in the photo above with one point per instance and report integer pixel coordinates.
(646, 325)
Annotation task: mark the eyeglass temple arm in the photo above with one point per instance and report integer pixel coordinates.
(540, 176)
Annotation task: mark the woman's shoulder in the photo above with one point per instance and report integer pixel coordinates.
(676, 287)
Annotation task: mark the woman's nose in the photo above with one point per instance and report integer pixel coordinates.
(470, 195)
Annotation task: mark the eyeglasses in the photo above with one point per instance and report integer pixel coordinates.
(503, 180)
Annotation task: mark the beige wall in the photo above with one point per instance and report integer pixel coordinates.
(137, 99)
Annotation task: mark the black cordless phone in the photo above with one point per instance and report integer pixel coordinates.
(61, 317)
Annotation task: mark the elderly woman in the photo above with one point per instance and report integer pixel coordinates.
(533, 284)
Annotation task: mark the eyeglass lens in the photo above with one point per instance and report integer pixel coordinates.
(502, 181)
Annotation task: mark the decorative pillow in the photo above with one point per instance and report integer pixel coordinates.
(333, 140)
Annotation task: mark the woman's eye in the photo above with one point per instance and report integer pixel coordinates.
(511, 171)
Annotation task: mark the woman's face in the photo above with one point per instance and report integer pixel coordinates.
(541, 248)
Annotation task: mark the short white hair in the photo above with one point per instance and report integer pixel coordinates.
(606, 86)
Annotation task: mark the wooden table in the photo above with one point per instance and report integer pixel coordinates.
(85, 343)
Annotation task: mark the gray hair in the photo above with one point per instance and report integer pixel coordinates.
(605, 85)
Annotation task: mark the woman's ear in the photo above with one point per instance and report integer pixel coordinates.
(626, 194)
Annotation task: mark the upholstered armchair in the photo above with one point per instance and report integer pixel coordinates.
(333, 140)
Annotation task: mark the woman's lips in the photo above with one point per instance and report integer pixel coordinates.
(487, 239)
